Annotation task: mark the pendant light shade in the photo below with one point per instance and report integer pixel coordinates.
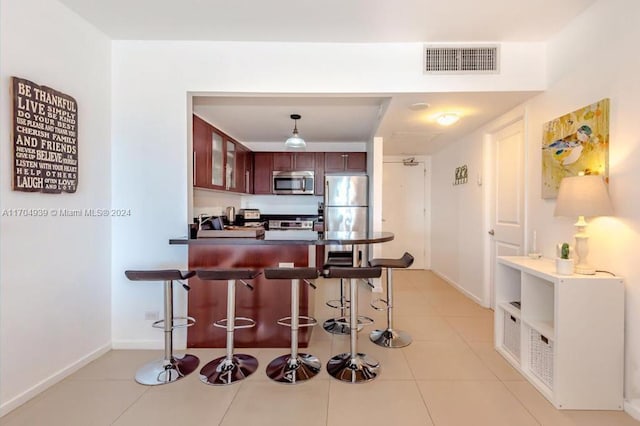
(295, 141)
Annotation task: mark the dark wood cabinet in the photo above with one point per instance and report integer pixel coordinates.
(244, 165)
(319, 169)
(345, 162)
(262, 172)
(219, 161)
(268, 302)
(304, 161)
(282, 161)
(293, 161)
(265, 163)
(247, 156)
(201, 153)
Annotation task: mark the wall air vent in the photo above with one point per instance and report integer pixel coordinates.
(461, 59)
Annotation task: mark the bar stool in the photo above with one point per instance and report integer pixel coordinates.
(339, 324)
(390, 338)
(294, 367)
(171, 367)
(231, 367)
(353, 366)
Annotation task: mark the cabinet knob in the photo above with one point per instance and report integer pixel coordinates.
(491, 232)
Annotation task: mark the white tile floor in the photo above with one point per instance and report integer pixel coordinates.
(449, 375)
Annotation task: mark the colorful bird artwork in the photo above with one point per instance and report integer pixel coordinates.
(568, 149)
(573, 143)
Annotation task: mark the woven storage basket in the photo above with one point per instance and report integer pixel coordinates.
(512, 335)
(541, 357)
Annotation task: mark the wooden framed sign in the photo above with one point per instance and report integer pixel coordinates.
(45, 139)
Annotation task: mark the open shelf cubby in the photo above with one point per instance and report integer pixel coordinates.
(565, 334)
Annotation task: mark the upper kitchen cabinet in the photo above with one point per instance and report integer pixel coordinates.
(345, 162)
(293, 161)
(219, 162)
(201, 153)
(245, 169)
(319, 169)
(262, 169)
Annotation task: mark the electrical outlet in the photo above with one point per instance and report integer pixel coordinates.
(152, 315)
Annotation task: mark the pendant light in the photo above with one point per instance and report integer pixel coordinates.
(295, 141)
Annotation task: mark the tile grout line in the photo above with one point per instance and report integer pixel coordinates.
(235, 395)
(132, 404)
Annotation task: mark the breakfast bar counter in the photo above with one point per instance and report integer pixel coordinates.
(270, 299)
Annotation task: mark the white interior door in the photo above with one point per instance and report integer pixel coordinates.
(507, 196)
(403, 211)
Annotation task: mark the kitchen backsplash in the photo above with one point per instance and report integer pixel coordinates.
(214, 203)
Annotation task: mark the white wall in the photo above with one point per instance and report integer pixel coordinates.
(54, 272)
(589, 60)
(151, 82)
(457, 217)
(605, 34)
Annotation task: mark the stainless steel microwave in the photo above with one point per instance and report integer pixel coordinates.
(293, 182)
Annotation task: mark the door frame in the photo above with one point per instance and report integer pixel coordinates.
(519, 114)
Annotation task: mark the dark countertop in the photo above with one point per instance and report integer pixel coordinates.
(328, 238)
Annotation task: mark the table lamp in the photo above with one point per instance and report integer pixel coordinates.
(583, 196)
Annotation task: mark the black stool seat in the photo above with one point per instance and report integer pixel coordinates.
(159, 275)
(227, 274)
(291, 273)
(351, 272)
(404, 262)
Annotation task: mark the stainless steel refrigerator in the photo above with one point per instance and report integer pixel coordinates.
(346, 206)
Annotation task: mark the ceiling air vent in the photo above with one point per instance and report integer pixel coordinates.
(468, 59)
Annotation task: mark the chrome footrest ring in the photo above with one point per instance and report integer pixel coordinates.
(308, 321)
(239, 322)
(362, 321)
(337, 303)
(374, 303)
(188, 322)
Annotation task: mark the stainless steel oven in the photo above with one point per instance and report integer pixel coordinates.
(301, 182)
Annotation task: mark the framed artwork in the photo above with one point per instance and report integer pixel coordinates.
(573, 143)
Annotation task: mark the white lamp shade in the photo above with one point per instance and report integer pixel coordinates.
(583, 196)
(295, 142)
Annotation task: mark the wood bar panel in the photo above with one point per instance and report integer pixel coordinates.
(268, 302)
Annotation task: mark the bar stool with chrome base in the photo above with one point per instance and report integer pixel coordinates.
(353, 366)
(340, 324)
(171, 367)
(231, 367)
(294, 367)
(337, 325)
(390, 338)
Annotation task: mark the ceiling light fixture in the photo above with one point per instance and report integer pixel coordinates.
(419, 106)
(295, 141)
(447, 118)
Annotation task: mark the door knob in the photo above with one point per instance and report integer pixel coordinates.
(492, 232)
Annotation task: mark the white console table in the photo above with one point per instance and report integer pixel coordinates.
(567, 334)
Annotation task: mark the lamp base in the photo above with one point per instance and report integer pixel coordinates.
(585, 270)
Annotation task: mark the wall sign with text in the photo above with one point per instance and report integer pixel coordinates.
(45, 139)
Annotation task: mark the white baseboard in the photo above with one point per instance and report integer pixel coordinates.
(632, 408)
(18, 400)
(462, 289)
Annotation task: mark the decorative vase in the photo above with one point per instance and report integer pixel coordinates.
(564, 266)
